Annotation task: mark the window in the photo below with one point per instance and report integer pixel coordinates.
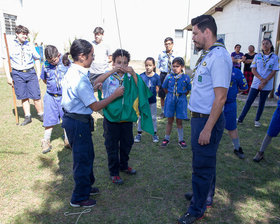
(179, 33)
(10, 24)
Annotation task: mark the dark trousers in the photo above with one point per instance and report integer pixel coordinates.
(204, 165)
(161, 92)
(79, 136)
(118, 143)
(253, 93)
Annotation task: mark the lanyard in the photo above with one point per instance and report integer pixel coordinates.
(267, 60)
(218, 43)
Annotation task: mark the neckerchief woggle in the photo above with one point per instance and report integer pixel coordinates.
(218, 43)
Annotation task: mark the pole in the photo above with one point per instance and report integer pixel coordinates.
(13, 88)
(187, 30)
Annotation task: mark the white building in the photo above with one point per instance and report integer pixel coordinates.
(10, 14)
(245, 22)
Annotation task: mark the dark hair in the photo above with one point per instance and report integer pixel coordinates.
(205, 21)
(21, 29)
(168, 39)
(120, 52)
(272, 48)
(80, 46)
(98, 30)
(237, 45)
(252, 46)
(65, 59)
(52, 52)
(153, 61)
(179, 60)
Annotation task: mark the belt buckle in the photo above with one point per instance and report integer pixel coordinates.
(24, 70)
(55, 95)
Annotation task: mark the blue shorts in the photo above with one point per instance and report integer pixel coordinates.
(274, 126)
(26, 85)
(52, 110)
(176, 105)
(230, 116)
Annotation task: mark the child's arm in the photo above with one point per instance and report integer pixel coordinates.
(157, 89)
(103, 77)
(131, 71)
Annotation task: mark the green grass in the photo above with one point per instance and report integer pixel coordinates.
(36, 188)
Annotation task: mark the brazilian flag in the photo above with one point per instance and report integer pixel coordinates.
(133, 103)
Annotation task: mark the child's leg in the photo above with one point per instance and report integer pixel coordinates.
(233, 134)
(48, 133)
(126, 142)
(180, 129)
(168, 128)
(153, 108)
(139, 129)
(46, 145)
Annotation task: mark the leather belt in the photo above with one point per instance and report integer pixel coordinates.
(55, 95)
(24, 70)
(199, 115)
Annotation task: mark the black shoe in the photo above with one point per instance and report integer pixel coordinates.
(239, 153)
(27, 120)
(258, 157)
(94, 191)
(187, 218)
(189, 196)
(86, 203)
(41, 117)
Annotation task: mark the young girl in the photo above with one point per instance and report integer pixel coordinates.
(53, 71)
(177, 86)
(152, 81)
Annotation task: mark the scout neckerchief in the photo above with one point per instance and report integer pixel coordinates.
(176, 77)
(57, 78)
(120, 79)
(218, 43)
(267, 60)
(169, 61)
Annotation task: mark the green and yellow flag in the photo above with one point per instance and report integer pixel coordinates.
(133, 103)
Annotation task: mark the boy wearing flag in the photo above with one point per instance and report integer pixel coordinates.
(121, 113)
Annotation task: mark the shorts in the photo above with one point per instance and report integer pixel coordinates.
(274, 126)
(26, 85)
(230, 113)
(176, 105)
(161, 92)
(52, 110)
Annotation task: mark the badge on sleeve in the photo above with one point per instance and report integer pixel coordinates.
(199, 78)
(204, 63)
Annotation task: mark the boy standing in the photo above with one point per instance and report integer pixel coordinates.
(102, 57)
(24, 77)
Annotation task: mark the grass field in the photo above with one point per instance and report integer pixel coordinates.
(36, 188)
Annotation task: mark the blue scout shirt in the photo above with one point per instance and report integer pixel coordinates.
(214, 71)
(77, 91)
(180, 86)
(53, 76)
(22, 55)
(237, 81)
(277, 93)
(265, 64)
(112, 83)
(163, 61)
(151, 83)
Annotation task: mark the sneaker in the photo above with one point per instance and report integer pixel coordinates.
(116, 180)
(137, 138)
(129, 170)
(239, 121)
(41, 117)
(86, 203)
(94, 191)
(187, 218)
(66, 144)
(257, 124)
(27, 120)
(155, 139)
(182, 144)
(46, 146)
(164, 143)
(258, 157)
(189, 196)
(239, 153)
(161, 116)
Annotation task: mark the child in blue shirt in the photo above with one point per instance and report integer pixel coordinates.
(152, 80)
(177, 86)
(272, 131)
(238, 82)
(53, 71)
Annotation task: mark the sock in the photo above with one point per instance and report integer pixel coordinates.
(139, 132)
(48, 133)
(167, 137)
(180, 134)
(236, 143)
(40, 113)
(27, 115)
(265, 143)
(65, 135)
(162, 109)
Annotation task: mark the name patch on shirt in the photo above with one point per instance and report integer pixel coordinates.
(199, 78)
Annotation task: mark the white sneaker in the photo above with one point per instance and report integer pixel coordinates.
(137, 138)
(257, 124)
